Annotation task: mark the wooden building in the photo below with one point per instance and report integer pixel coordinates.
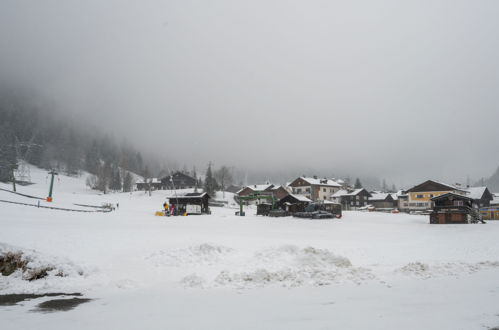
(451, 208)
(420, 196)
(178, 180)
(192, 203)
(256, 188)
(279, 192)
(294, 203)
(481, 196)
(153, 184)
(382, 200)
(352, 199)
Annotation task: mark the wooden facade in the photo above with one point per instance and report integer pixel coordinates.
(382, 201)
(352, 199)
(280, 192)
(451, 208)
(294, 203)
(181, 202)
(481, 196)
(178, 180)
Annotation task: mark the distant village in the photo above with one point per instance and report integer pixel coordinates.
(316, 197)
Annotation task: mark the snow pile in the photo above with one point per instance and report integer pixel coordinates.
(30, 271)
(288, 266)
(453, 269)
(203, 254)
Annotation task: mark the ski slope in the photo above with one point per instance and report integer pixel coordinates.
(219, 271)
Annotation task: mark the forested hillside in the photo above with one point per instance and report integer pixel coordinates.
(49, 139)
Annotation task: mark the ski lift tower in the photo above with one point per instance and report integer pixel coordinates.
(52, 173)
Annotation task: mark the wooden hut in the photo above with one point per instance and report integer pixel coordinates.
(451, 208)
(192, 203)
(382, 200)
(294, 203)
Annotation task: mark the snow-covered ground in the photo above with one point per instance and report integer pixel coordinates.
(219, 271)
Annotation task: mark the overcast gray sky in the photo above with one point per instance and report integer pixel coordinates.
(404, 90)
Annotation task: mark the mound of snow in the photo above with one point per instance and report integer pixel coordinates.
(288, 266)
(454, 269)
(29, 271)
(203, 254)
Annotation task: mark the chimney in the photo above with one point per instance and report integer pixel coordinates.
(315, 176)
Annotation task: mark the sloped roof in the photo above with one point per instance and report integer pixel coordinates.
(257, 187)
(342, 192)
(434, 186)
(475, 192)
(379, 196)
(322, 182)
(301, 198)
(458, 196)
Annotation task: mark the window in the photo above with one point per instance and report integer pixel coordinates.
(324, 197)
(419, 196)
(324, 189)
(458, 203)
(298, 191)
(307, 190)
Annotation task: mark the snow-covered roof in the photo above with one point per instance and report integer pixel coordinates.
(188, 195)
(378, 196)
(301, 198)
(257, 187)
(322, 182)
(342, 192)
(452, 187)
(260, 187)
(475, 192)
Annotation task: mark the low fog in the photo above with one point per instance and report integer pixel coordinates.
(402, 90)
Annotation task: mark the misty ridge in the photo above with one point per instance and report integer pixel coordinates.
(50, 139)
(267, 91)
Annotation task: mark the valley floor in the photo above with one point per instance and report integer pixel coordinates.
(219, 271)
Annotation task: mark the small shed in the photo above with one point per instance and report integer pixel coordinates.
(192, 203)
(451, 208)
(382, 200)
(294, 203)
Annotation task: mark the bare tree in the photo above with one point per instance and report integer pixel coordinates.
(224, 177)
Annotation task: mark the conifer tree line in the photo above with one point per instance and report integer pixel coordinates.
(51, 141)
(47, 140)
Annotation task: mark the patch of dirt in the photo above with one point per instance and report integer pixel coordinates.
(10, 262)
(60, 305)
(13, 299)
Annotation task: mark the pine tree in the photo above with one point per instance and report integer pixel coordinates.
(104, 177)
(8, 156)
(92, 160)
(127, 182)
(116, 179)
(209, 181)
(357, 185)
